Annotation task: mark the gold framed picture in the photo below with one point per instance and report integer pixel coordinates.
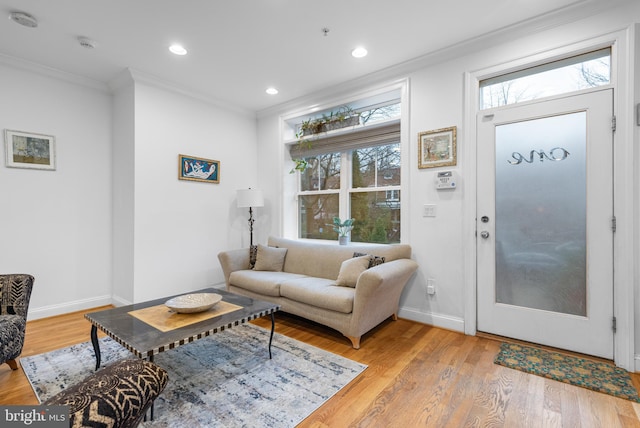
(437, 148)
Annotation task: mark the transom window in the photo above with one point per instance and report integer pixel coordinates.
(576, 73)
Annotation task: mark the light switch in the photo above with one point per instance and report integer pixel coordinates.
(429, 210)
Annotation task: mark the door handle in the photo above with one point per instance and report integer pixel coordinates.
(484, 234)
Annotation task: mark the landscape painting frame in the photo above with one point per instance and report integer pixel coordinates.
(437, 148)
(29, 150)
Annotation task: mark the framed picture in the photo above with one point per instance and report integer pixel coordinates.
(437, 148)
(29, 150)
(198, 169)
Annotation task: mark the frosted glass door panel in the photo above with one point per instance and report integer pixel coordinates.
(540, 214)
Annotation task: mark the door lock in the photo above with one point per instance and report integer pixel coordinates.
(484, 234)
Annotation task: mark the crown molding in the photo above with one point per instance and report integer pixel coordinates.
(574, 12)
(132, 76)
(76, 79)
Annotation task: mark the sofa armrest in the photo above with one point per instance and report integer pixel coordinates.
(378, 291)
(233, 260)
(389, 275)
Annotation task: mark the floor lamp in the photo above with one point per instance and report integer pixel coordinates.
(250, 198)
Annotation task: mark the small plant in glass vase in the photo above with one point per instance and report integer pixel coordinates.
(343, 229)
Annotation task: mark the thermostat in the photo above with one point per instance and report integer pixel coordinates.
(446, 180)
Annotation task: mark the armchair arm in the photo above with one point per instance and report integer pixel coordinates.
(233, 260)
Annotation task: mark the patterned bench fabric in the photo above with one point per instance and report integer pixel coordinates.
(116, 396)
(15, 293)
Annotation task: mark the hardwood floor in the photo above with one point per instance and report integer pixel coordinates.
(418, 375)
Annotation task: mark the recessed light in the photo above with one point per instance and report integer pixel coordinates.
(359, 52)
(178, 50)
(271, 91)
(86, 42)
(23, 19)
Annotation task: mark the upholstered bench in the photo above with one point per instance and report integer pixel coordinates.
(115, 396)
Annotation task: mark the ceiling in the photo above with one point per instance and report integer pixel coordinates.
(238, 48)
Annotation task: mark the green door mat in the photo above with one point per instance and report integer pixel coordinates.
(597, 376)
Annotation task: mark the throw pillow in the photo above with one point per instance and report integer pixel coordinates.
(253, 253)
(351, 269)
(375, 260)
(270, 258)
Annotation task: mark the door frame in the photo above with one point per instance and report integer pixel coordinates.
(624, 186)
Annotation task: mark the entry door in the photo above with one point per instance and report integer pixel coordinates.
(544, 223)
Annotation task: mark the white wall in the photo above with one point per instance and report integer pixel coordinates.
(96, 232)
(437, 100)
(180, 226)
(56, 225)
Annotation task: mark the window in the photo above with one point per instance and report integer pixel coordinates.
(353, 174)
(318, 199)
(584, 71)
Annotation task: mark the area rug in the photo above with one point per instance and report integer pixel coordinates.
(225, 380)
(595, 375)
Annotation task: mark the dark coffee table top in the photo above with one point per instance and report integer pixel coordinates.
(145, 341)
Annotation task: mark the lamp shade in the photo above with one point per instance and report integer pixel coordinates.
(250, 198)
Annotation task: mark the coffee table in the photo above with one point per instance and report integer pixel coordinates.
(145, 340)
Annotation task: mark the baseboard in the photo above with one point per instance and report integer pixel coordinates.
(437, 320)
(65, 308)
(636, 363)
(119, 301)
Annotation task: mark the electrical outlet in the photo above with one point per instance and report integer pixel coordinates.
(428, 210)
(431, 286)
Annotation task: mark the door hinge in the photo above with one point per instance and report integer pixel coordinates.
(613, 124)
(613, 324)
(614, 224)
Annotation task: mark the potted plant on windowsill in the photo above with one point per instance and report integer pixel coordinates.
(343, 229)
(341, 118)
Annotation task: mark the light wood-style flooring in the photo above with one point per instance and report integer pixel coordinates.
(418, 376)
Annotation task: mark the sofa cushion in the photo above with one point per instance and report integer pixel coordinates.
(322, 260)
(351, 269)
(253, 253)
(270, 258)
(319, 292)
(262, 282)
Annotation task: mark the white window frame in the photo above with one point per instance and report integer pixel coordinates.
(346, 189)
(289, 219)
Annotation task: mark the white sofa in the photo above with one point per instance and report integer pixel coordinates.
(305, 282)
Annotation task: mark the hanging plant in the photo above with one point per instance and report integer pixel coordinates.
(300, 165)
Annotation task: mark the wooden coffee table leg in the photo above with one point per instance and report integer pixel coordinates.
(273, 326)
(96, 345)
